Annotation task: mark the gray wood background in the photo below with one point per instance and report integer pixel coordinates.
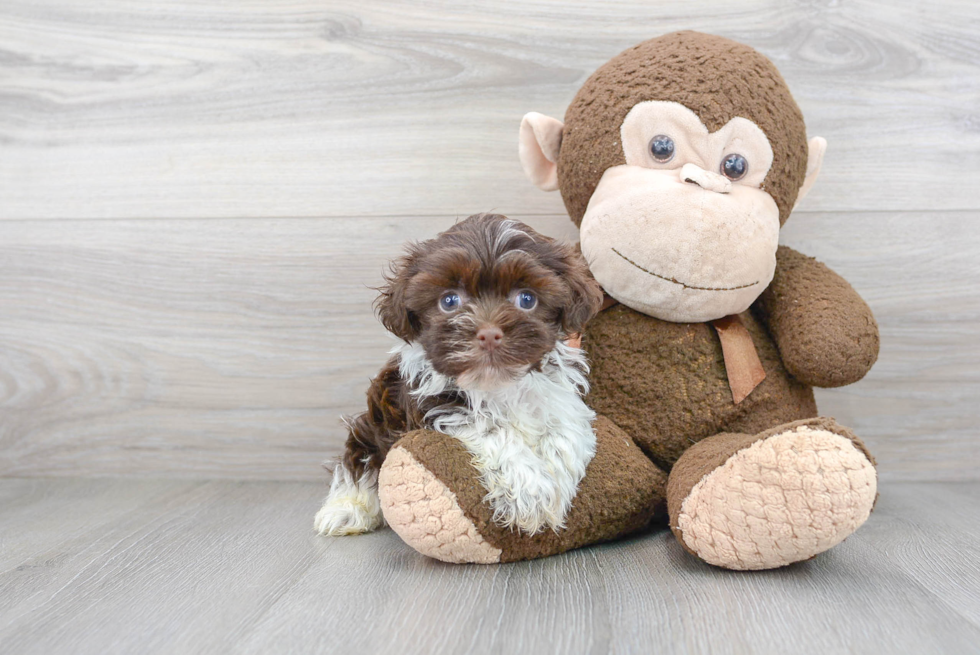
(195, 198)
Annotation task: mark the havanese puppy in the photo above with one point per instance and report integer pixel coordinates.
(484, 311)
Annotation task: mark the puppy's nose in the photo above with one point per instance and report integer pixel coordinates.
(489, 337)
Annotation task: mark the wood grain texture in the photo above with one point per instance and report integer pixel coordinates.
(311, 108)
(45, 514)
(230, 348)
(187, 570)
(235, 567)
(194, 348)
(257, 163)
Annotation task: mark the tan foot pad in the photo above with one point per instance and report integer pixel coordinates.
(781, 500)
(425, 513)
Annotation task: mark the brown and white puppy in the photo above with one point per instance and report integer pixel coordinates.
(483, 311)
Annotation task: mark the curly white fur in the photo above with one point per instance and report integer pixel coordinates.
(531, 439)
(352, 506)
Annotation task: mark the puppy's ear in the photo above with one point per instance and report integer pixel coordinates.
(392, 302)
(585, 298)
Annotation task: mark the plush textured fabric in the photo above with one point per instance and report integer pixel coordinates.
(622, 492)
(826, 334)
(425, 513)
(743, 477)
(717, 78)
(761, 501)
(666, 385)
(701, 149)
(676, 251)
(538, 145)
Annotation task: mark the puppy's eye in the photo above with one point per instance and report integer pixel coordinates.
(449, 302)
(662, 148)
(525, 300)
(734, 167)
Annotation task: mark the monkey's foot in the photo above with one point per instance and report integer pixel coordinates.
(763, 501)
(431, 496)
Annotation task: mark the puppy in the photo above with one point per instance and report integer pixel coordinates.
(484, 311)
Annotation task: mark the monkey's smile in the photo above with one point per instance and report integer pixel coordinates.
(675, 281)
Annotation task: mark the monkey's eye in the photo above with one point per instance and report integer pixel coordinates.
(662, 148)
(525, 300)
(449, 302)
(734, 167)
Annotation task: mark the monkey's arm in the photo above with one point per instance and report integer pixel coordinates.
(825, 332)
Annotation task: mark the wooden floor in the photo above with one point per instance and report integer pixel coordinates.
(109, 566)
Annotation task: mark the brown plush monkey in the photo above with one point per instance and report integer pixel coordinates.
(680, 159)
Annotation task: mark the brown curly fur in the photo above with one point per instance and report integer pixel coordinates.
(485, 257)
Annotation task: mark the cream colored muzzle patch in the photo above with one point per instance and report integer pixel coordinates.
(782, 500)
(675, 250)
(425, 513)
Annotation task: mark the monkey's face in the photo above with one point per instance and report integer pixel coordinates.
(679, 159)
(683, 231)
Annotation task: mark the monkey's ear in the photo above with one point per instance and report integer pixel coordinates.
(539, 143)
(392, 303)
(817, 146)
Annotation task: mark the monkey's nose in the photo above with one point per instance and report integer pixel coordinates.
(489, 337)
(705, 179)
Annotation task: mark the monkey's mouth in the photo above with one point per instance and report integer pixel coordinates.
(683, 284)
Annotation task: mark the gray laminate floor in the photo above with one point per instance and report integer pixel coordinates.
(116, 566)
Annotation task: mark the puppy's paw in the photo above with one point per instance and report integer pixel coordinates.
(343, 517)
(351, 507)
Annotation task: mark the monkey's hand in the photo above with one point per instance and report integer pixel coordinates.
(825, 332)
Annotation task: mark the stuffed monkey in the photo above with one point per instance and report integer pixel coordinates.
(679, 160)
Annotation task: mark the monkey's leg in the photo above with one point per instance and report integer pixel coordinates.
(431, 496)
(763, 501)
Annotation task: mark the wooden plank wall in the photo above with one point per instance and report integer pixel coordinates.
(195, 198)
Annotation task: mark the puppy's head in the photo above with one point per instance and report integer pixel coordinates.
(488, 298)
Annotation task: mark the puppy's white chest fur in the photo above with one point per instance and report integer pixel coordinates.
(531, 440)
